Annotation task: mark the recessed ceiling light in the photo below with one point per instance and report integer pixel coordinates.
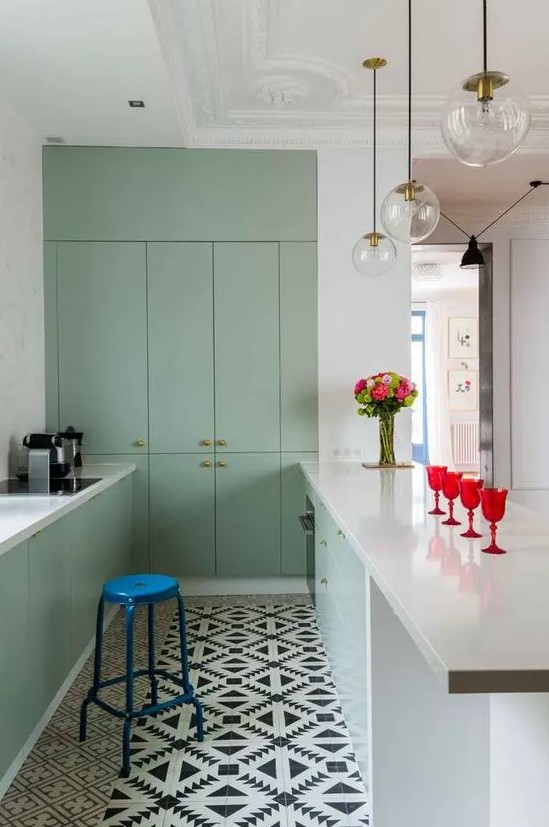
(428, 271)
(137, 104)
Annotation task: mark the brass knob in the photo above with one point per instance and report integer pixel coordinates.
(324, 581)
(206, 442)
(323, 543)
(207, 463)
(340, 533)
(139, 443)
(222, 442)
(222, 463)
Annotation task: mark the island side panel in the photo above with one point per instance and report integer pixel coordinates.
(430, 750)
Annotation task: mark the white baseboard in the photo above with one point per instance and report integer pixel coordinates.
(48, 714)
(193, 586)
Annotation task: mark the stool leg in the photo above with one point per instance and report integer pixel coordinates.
(183, 644)
(129, 611)
(152, 676)
(96, 670)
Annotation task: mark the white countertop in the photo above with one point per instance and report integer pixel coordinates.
(491, 638)
(21, 516)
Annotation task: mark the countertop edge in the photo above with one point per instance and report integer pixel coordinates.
(72, 502)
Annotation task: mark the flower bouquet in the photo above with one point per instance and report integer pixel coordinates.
(383, 395)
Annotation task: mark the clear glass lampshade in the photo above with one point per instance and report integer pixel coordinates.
(481, 131)
(410, 212)
(374, 259)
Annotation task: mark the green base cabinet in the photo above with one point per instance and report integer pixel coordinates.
(293, 561)
(248, 515)
(182, 514)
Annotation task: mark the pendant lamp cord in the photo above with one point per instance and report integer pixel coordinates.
(533, 186)
(375, 146)
(485, 36)
(409, 90)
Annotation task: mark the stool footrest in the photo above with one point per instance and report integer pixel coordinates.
(148, 709)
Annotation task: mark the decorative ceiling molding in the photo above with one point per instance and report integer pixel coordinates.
(253, 97)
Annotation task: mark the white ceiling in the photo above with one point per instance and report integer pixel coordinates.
(256, 72)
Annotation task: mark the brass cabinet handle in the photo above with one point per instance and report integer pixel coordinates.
(324, 581)
(340, 533)
(206, 442)
(222, 463)
(139, 443)
(206, 464)
(222, 442)
(323, 543)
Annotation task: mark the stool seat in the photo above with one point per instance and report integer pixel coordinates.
(140, 588)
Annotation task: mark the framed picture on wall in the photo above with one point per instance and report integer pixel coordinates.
(463, 338)
(463, 390)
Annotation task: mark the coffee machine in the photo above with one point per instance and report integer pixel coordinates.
(63, 450)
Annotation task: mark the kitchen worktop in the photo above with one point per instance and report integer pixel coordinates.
(22, 516)
(481, 621)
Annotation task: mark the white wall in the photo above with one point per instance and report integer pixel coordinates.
(363, 324)
(21, 292)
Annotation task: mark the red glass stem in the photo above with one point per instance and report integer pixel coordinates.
(470, 515)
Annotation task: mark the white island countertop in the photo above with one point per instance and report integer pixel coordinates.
(23, 515)
(481, 621)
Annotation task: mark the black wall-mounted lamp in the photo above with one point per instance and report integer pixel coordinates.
(472, 256)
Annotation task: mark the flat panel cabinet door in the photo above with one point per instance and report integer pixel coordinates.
(103, 344)
(180, 310)
(294, 541)
(50, 340)
(298, 347)
(247, 364)
(248, 515)
(182, 515)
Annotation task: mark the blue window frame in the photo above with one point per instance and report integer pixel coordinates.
(420, 447)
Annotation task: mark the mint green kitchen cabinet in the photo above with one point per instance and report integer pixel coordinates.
(248, 515)
(183, 519)
(247, 336)
(50, 339)
(298, 347)
(49, 613)
(292, 504)
(139, 555)
(16, 722)
(102, 331)
(181, 348)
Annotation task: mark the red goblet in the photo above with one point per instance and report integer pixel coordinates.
(434, 478)
(450, 489)
(469, 492)
(493, 508)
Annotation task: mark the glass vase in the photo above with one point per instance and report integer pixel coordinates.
(387, 439)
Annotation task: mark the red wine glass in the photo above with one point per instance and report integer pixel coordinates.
(469, 492)
(450, 489)
(434, 478)
(493, 509)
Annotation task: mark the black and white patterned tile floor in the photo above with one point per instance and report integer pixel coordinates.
(276, 751)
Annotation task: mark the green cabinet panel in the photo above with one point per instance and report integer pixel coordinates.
(86, 575)
(49, 613)
(103, 344)
(15, 686)
(50, 336)
(182, 514)
(292, 493)
(181, 359)
(248, 515)
(127, 194)
(247, 341)
(298, 347)
(139, 484)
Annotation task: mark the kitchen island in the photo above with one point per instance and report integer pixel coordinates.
(440, 652)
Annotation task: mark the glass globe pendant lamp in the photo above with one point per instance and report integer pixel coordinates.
(411, 211)
(485, 119)
(374, 254)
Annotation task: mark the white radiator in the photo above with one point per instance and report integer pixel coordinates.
(465, 443)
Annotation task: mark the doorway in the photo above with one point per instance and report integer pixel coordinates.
(451, 356)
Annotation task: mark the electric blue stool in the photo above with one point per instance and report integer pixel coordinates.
(132, 591)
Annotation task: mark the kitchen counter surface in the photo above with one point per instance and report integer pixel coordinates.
(481, 621)
(24, 515)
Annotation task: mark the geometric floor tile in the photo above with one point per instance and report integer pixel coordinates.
(276, 751)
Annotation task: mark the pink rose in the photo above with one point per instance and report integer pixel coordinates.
(360, 385)
(403, 390)
(379, 393)
(386, 379)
